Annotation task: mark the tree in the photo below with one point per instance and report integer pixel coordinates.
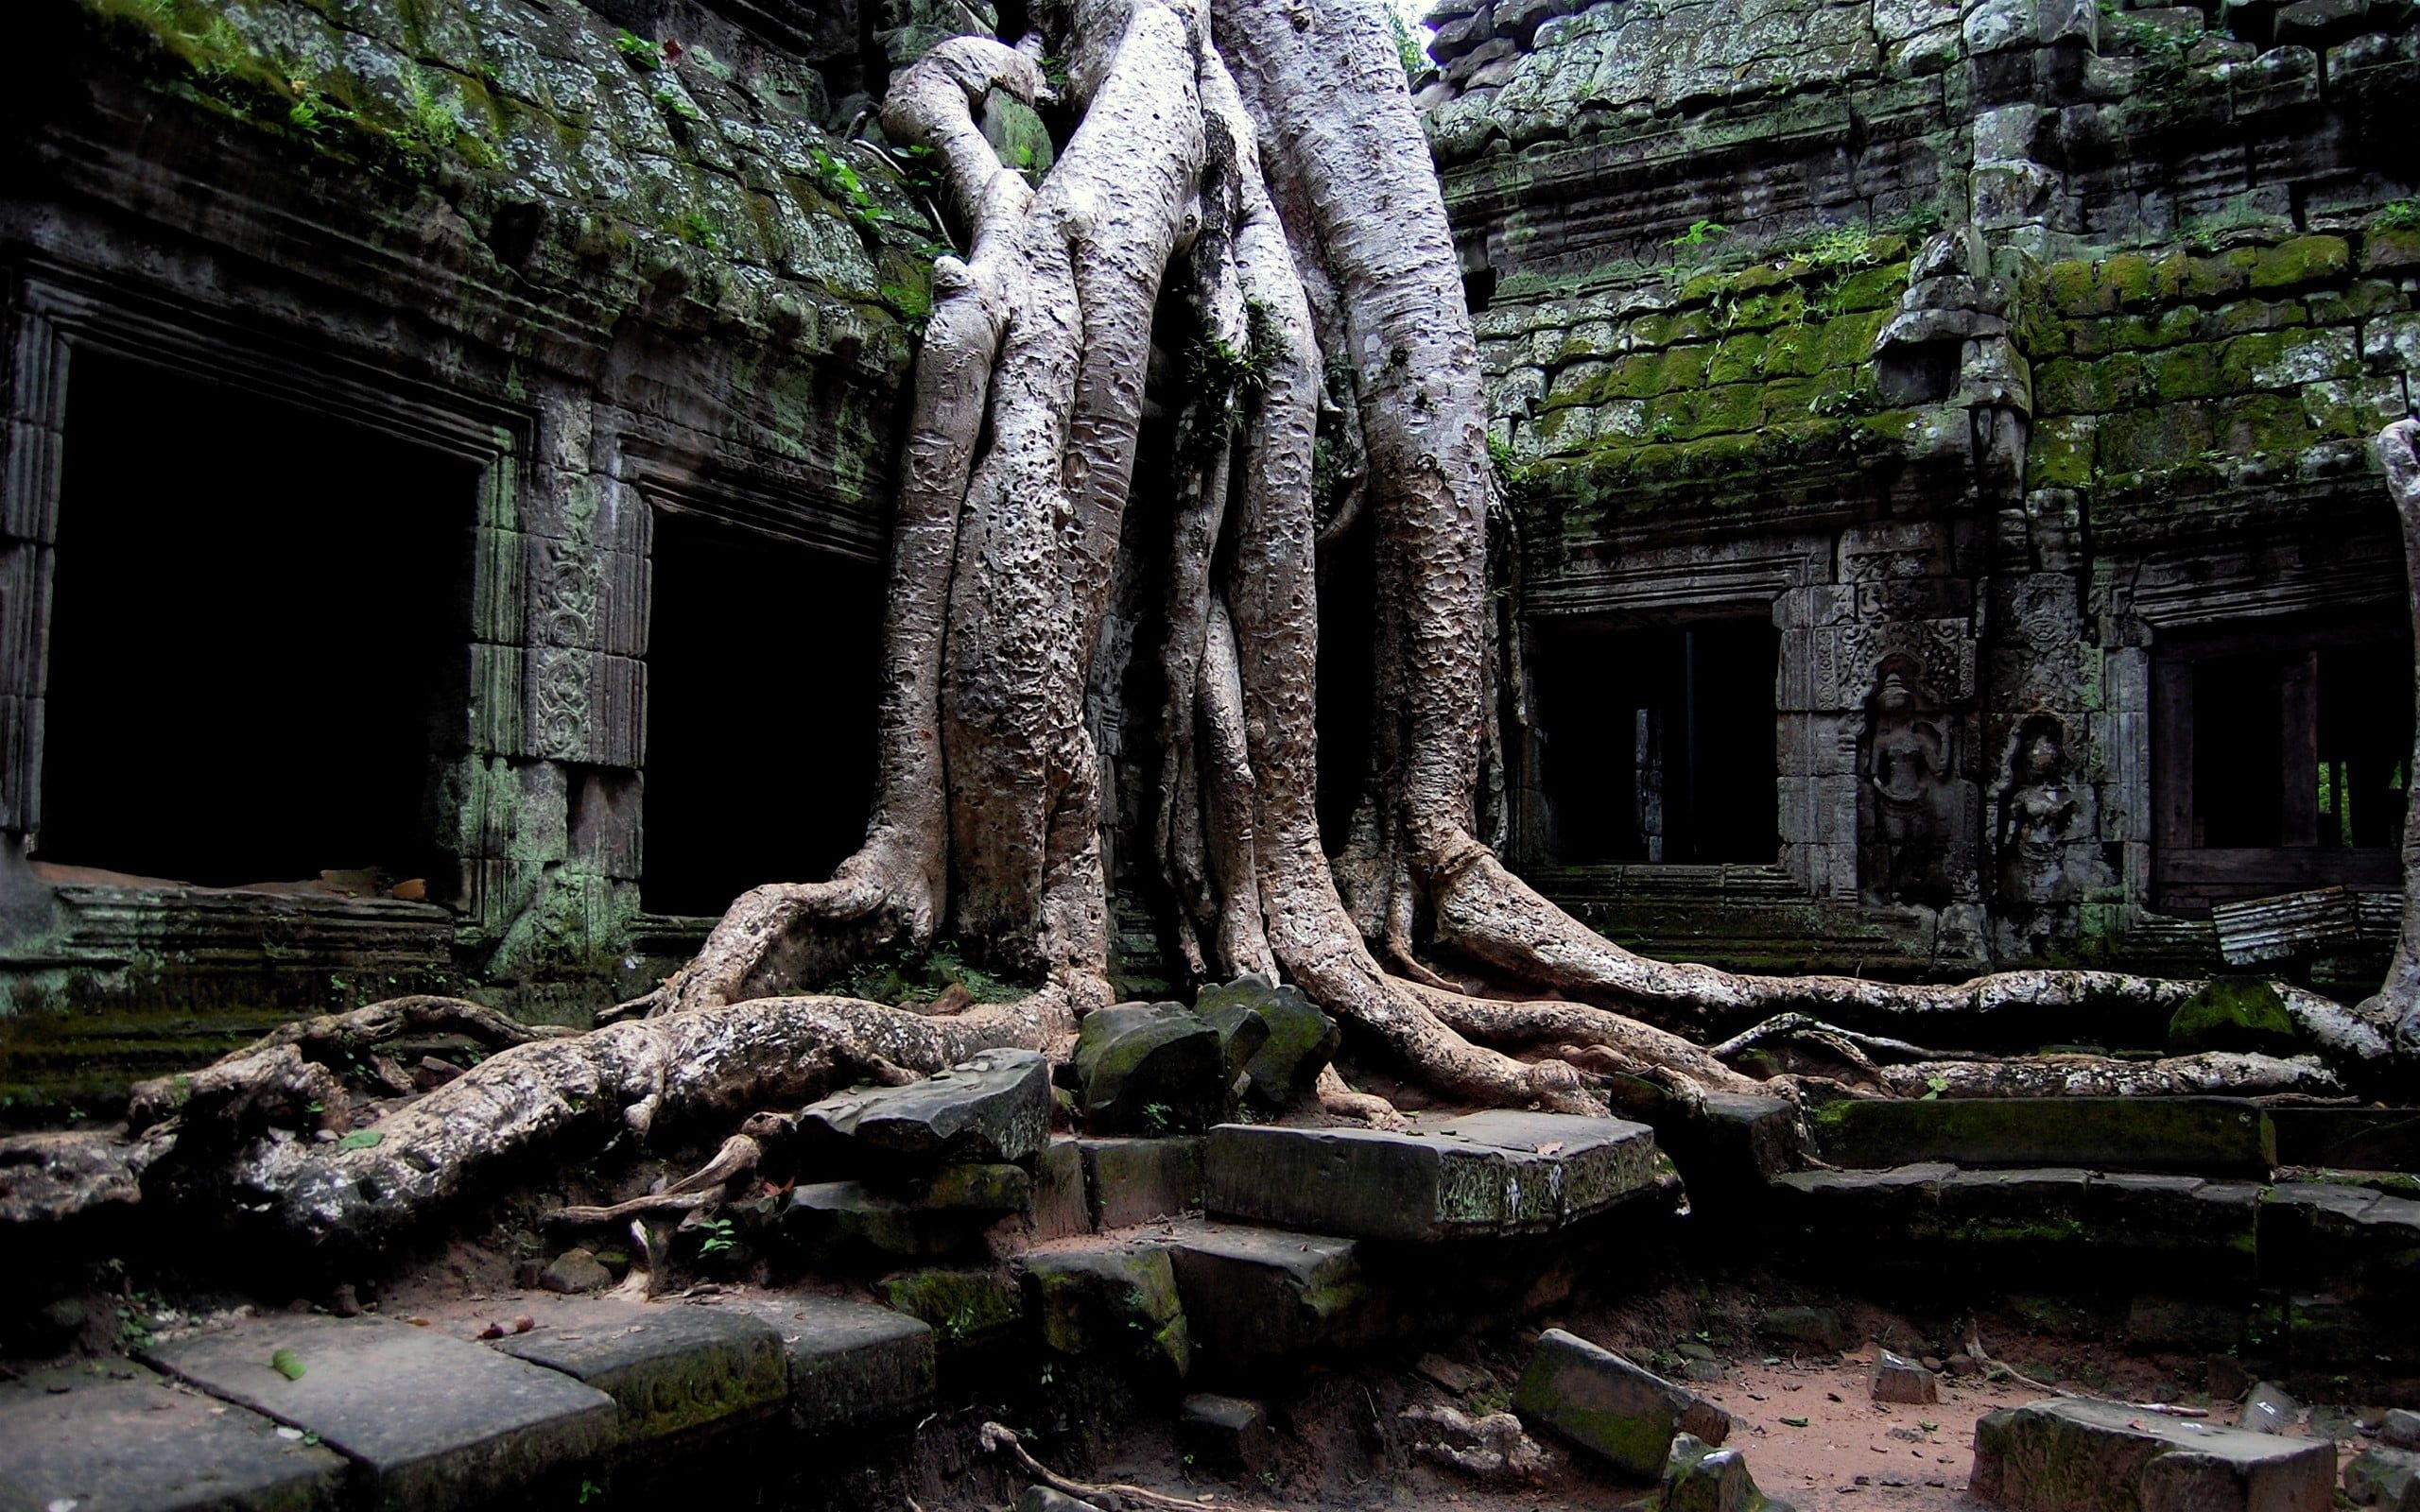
(1264, 155)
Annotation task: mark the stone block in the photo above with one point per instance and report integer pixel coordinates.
(966, 1308)
(2209, 1135)
(2357, 1139)
(1601, 1402)
(2268, 1409)
(431, 1422)
(1804, 1328)
(2315, 1235)
(1229, 1436)
(1150, 1068)
(853, 1367)
(2071, 1455)
(1289, 1039)
(123, 1437)
(1486, 1174)
(1061, 1207)
(1895, 1379)
(993, 1107)
(2387, 1478)
(2401, 1429)
(1111, 1301)
(1135, 1182)
(939, 1216)
(1252, 1295)
(1701, 1478)
(670, 1368)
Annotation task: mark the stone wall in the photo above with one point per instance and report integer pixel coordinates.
(614, 272)
(2003, 353)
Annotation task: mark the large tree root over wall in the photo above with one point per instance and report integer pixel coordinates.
(1256, 167)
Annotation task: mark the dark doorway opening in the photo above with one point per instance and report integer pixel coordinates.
(1657, 745)
(764, 658)
(257, 636)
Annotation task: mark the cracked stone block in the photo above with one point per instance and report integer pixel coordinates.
(1118, 1301)
(128, 1439)
(431, 1422)
(670, 1368)
(946, 1213)
(1150, 1068)
(1900, 1379)
(1228, 1434)
(2211, 1135)
(852, 1365)
(994, 1107)
(1135, 1182)
(2071, 1455)
(1603, 1403)
(1486, 1174)
(1254, 1294)
(1284, 1039)
(2388, 1478)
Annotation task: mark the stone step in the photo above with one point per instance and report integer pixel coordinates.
(1252, 1295)
(2352, 1139)
(854, 1366)
(1479, 1176)
(670, 1370)
(428, 1421)
(2071, 1455)
(128, 1438)
(2206, 1136)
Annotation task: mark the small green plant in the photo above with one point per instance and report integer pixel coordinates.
(1408, 50)
(1839, 247)
(638, 52)
(1156, 1122)
(699, 230)
(677, 105)
(915, 306)
(718, 1240)
(1512, 479)
(2401, 214)
(1700, 234)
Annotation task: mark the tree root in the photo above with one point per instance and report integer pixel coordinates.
(2223, 1072)
(1004, 1440)
(1493, 1447)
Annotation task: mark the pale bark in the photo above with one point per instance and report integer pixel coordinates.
(2397, 1003)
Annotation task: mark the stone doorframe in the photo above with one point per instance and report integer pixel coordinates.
(52, 315)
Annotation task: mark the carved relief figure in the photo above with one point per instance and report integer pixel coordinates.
(1907, 804)
(2037, 813)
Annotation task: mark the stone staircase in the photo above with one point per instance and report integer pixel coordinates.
(1191, 1258)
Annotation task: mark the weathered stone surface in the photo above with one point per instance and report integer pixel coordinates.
(993, 1107)
(852, 1365)
(2316, 1235)
(2069, 1456)
(2401, 1429)
(1810, 1328)
(575, 1270)
(431, 1422)
(670, 1369)
(1287, 1039)
(1701, 1478)
(1250, 1294)
(125, 1438)
(2233, 1013)
(1485, 1174)
(1896, 1378)
(946, 1213)
(1150, 1068)
(1135, 1182)
(1607, 1405)
(1044, 1499)
(1112, 1301)
(1229, 1435)
(967, 1308)
(1061, 1205)
(2209, 1135)
(2388, 1478)
(2357, 1138)
(2269, 1410)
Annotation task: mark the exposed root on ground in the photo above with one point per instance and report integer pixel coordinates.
(1003, 1440)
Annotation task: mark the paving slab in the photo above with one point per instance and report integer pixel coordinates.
(122, 1438)
(1486, 1174)
(1605, 1405)
(1257, 1293)
(2071, 1455)
(852, 1365)
(670, 1369)
(430, 1420)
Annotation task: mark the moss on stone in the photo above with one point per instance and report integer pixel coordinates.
(2233, 1013)
(2301, 260)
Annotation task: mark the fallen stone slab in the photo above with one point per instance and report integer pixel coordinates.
(1252, 1295)
(1150, 1068)
(130, 1438)
(1109, 1302)
(1276, 1036)
(2072, 1456)
(430, 1420)
(2388, 1478)
(670, 1368)
(2208, 1136)
(854, 1366)
(1135, 1182)
(993, 1107)
(1597, 1400)
(2269, 1410)
(1897, 1378)
(1482, 1175)
(2401, 1429)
